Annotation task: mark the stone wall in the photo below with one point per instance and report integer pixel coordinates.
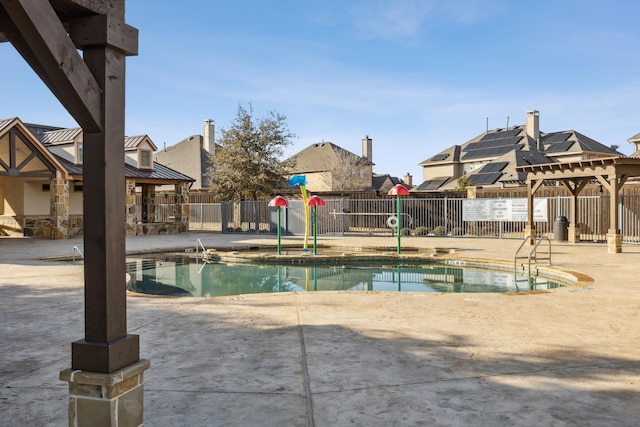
(59, 209)
(41, 226)
(130, 206)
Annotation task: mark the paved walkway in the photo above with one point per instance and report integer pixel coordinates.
(568, 357)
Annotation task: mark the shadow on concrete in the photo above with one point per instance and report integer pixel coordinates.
(313, 360)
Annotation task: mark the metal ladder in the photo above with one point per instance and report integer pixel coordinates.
(76, 250)
(533, 255)
(207, 254)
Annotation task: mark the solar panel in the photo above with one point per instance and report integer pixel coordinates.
(434, 184)
(556, 137)
(559, 147)
(501, 134)
(493, 143)
(491, 152)
(439, 157)
(485, 178)
(493, 167)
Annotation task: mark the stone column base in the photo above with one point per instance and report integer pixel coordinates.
(106, 400)
(614, 242)
(574, 234)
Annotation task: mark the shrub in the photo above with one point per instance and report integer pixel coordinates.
(421, 231)
(440, 231)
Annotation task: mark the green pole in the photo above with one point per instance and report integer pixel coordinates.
(399, 222)
(315, 231)
(278, 230)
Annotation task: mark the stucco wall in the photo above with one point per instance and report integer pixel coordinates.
(75, 200)
(13, 197)
(36, 201)
(436, 171)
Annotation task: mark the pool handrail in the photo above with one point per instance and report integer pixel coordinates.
(199, 244)
(532, 255)
(75, 250)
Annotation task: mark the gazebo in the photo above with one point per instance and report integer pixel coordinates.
(611, 173)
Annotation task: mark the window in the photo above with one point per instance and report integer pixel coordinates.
(46, 187)
(77, 188)
(80, 155)
(145, 158)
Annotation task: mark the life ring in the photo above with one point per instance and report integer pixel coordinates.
(392, 221)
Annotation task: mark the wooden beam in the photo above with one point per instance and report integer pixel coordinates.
(578, 185)
(103, 30)
(44, 43)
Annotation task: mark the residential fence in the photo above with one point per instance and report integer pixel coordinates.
(453, 217)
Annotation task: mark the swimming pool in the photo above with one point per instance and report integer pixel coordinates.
(178, 275)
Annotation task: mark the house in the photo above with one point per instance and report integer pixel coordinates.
(635, 140)
(490, 159)
(382, 183)
(191, 155)
(329, 167)
(41, 183)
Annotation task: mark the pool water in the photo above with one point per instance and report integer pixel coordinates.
(183, 276)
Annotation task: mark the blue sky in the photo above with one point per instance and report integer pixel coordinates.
(417, 76)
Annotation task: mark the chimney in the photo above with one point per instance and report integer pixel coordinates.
(532, 125)
(367, 147)
(209, 140)
(408, 180)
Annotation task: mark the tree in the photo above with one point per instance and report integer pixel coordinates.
(463, 182)
(246, 162)
(349, 172)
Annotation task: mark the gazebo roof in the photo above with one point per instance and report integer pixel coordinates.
(627, 166)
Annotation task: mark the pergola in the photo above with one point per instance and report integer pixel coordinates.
(105, 379)
(611, 173)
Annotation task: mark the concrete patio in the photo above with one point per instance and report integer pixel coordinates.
(567, 357)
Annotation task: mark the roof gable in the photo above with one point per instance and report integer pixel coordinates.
(325, 156)
(140, 141)
(25, 155)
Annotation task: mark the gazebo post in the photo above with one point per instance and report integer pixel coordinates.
(614, 238)
(106, 375)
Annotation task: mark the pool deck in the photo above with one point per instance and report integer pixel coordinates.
(568, 357)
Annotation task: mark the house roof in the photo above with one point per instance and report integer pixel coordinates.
(635, 138)
(158, 173)
(503, 169)
(451, 154)
(502, 150)
(42, 164)
(133, 142)
(570, 141)
(188, 156)
(384, 181)
(495, 143)
(59, 136)
(6, 122)
(324, 156)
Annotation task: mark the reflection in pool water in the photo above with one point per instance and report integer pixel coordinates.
(183, 276)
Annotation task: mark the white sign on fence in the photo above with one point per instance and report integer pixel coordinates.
(503, 210)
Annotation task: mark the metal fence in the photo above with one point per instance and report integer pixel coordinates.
(435, 217)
